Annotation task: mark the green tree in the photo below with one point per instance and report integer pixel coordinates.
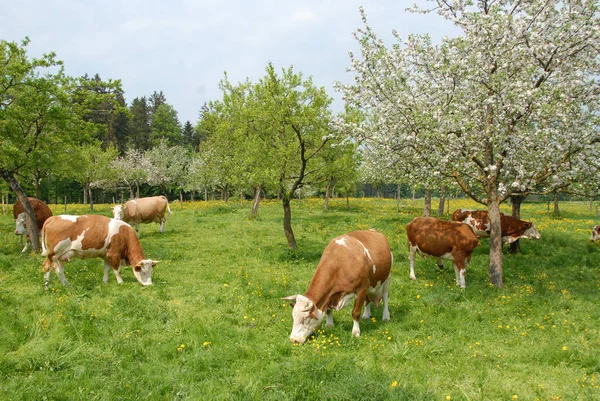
(271, 133)
(139, 125)
(190, 138)
(166, 126)
(90, 166)
(39, 118)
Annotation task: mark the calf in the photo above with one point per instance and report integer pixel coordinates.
(355, 265)
(440, 239)
(143, 210)
(512, 228)
(595, 234)
(42, 212)
(93, 236)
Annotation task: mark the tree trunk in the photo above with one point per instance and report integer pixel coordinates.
(257, 195)
(34, 232)
(38, 192)
(556, 198)
(440, 211)
(495, 268)
(287, 223)
(85, 195)
(427, 211)
(89, 188)
(326, 208)
(516, 200)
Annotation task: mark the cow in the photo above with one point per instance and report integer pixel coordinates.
(512, 228)
(143, 210)
(93, 236)
(42, 212)
(595, 234)
(355, 266)
(441, 240)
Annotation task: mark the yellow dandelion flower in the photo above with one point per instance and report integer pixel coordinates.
(394, 383)
(564, 348)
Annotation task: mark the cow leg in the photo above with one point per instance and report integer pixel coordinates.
(27, 241)
(412, 251)
(358, 305)
(386, 289)
(117, 271)
(329, 318)
(440, 264)
(59, 268)
(367, 311)
(459, 271)
(162, 225)
(137, 229)
(47, 266)
(107, 267)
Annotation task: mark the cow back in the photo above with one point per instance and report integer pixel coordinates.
(95, 230)
(351, 262)
(144, 210)
(42, 211)
(438, 237)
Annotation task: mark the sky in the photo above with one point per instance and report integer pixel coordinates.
(183, 47)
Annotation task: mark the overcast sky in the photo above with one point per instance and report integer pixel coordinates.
(183, 47)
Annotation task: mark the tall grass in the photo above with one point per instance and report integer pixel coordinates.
(213, 326)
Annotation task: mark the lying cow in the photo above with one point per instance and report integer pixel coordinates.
(143, 210)
(595, 234)
(42, 212)
(355, 265)
(440, 239)
(93, 236)
(512, 229)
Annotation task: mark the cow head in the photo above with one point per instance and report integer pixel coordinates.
(20, 227)
(143, 271)
(306, 318)
(595, 234)
(530, 231)
(118, 212)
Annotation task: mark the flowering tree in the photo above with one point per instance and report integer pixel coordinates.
(131, 170)
(509, 105)
(168, 165)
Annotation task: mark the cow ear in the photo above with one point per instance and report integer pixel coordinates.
(291, 298)
(155, 262)
(138, 267)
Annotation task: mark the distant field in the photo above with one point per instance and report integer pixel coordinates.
(213, 327)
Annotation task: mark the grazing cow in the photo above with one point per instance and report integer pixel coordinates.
(93, 236)
(143, 210)
(595, 234)
(512, 229)
(42, 212)
(440, 239)
(355, 265)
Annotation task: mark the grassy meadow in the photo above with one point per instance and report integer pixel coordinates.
(213, 327)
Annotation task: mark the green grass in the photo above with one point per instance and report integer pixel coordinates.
(213, 326)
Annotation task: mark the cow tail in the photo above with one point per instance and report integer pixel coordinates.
(168, 208)
(44, 250)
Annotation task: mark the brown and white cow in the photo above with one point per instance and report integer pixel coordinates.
(512, 229)
(441, 240)
(595, 234)
(143, 210)
(355, 266)
(42, 212)
(93, 236)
